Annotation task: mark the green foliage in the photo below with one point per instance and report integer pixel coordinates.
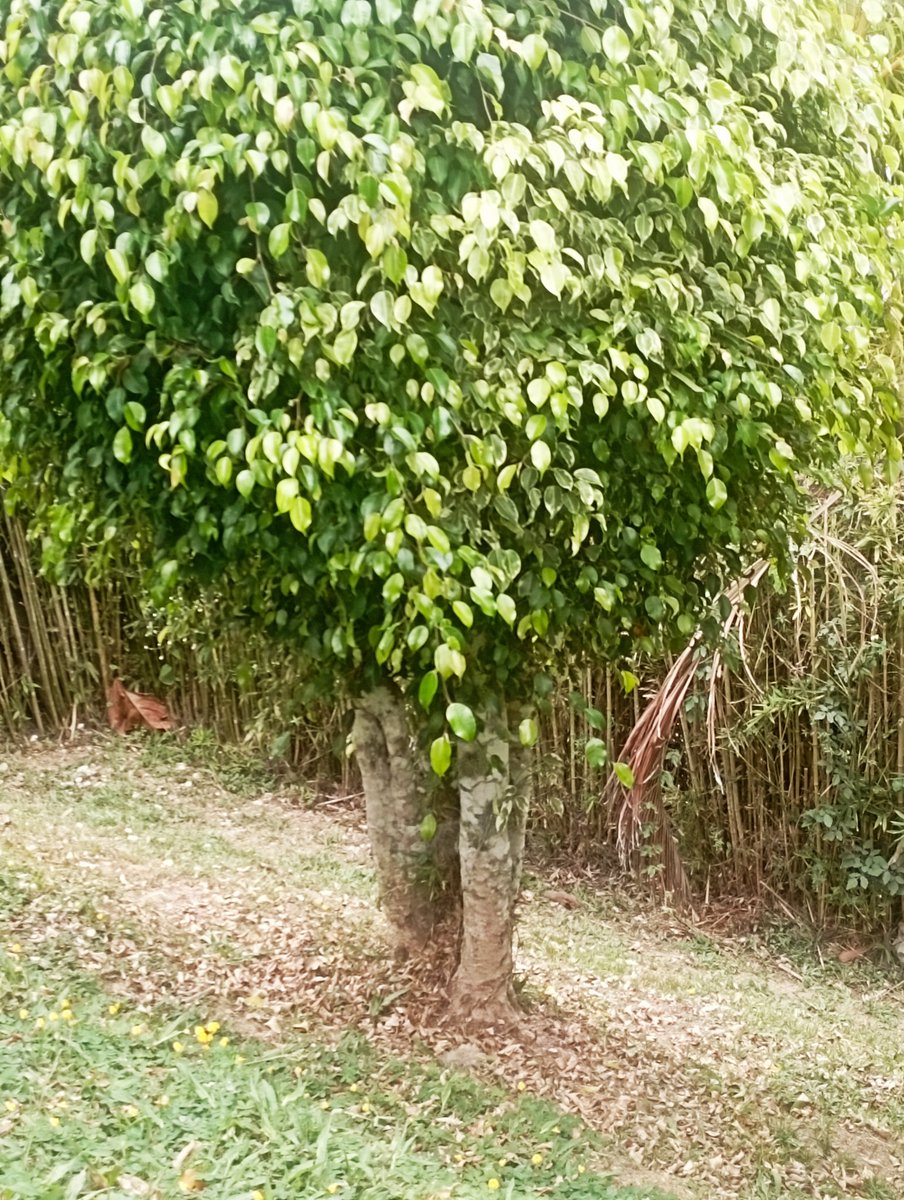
(453, 335)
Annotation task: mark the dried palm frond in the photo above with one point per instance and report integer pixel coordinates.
(632, 808)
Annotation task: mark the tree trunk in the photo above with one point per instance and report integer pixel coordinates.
(494, 801)
(395, 807)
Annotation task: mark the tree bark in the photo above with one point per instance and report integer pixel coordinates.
(394, 799)
(494, 801)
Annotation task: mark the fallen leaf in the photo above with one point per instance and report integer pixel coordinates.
(131, 710)
(185, 1154)
(851, 954)
(133, 1185)
(190, 1182)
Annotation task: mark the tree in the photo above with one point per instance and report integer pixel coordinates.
(456, 334)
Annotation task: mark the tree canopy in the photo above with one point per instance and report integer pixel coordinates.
(457, 332)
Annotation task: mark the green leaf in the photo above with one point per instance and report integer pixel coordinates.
(462, 722)
(428, 827)
(300, 513)
(381, 305)
(595, 752)
(464, 42)
(318, 268)
(388, 11)
(830, 336)
(710, 213)
(118, 264)
(540, 456)
(464, 612)
(716, 493)
(616, 45)
(395, 260)
(232, 72)
(441, 755)
(88, 245)
(505, 606)
(418, 636)
(286, 491)
(533, 50)
(142, 296)
(624, 774)
(278, 241)
(122, 445)
(449, 661)
(427, 689)
(344, 346)
(153, 141)
(629, 682)
(651, 556)
(527, 732)
(207, 207)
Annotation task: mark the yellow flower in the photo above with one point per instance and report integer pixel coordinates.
(23, 1014)
(212, 1026)
(162, 1101)
(257, 1194)
(68, 1015)
(15, 948)
(53, 1016)
(353, 1087)
(137, 1030)
(536, 1159)
(11, 1105)
(522, 1086)
(130, 1110)
(239, 1059)
(65, 1003)
(581, 1169)
(365, 1108)
(54, 1121)
(324, 1104)
(333, 1188)
(493, 1184)
(224, 1041)
(503, 1162)
(39, 1024)
(114, 1009)
(202, 1035)
(178, 1047)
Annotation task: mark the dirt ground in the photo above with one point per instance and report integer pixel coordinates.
(737, 1067)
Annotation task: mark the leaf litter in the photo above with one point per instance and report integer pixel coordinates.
(697, 1090)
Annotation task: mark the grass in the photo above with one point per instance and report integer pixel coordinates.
(100, 1098)
(167, 885)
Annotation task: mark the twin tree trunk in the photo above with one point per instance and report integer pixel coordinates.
(493, 783)
(394, 801)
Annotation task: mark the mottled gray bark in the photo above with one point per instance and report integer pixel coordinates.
(394, 799)
(493, 790)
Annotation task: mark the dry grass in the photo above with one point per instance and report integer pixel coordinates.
(713, 1067)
